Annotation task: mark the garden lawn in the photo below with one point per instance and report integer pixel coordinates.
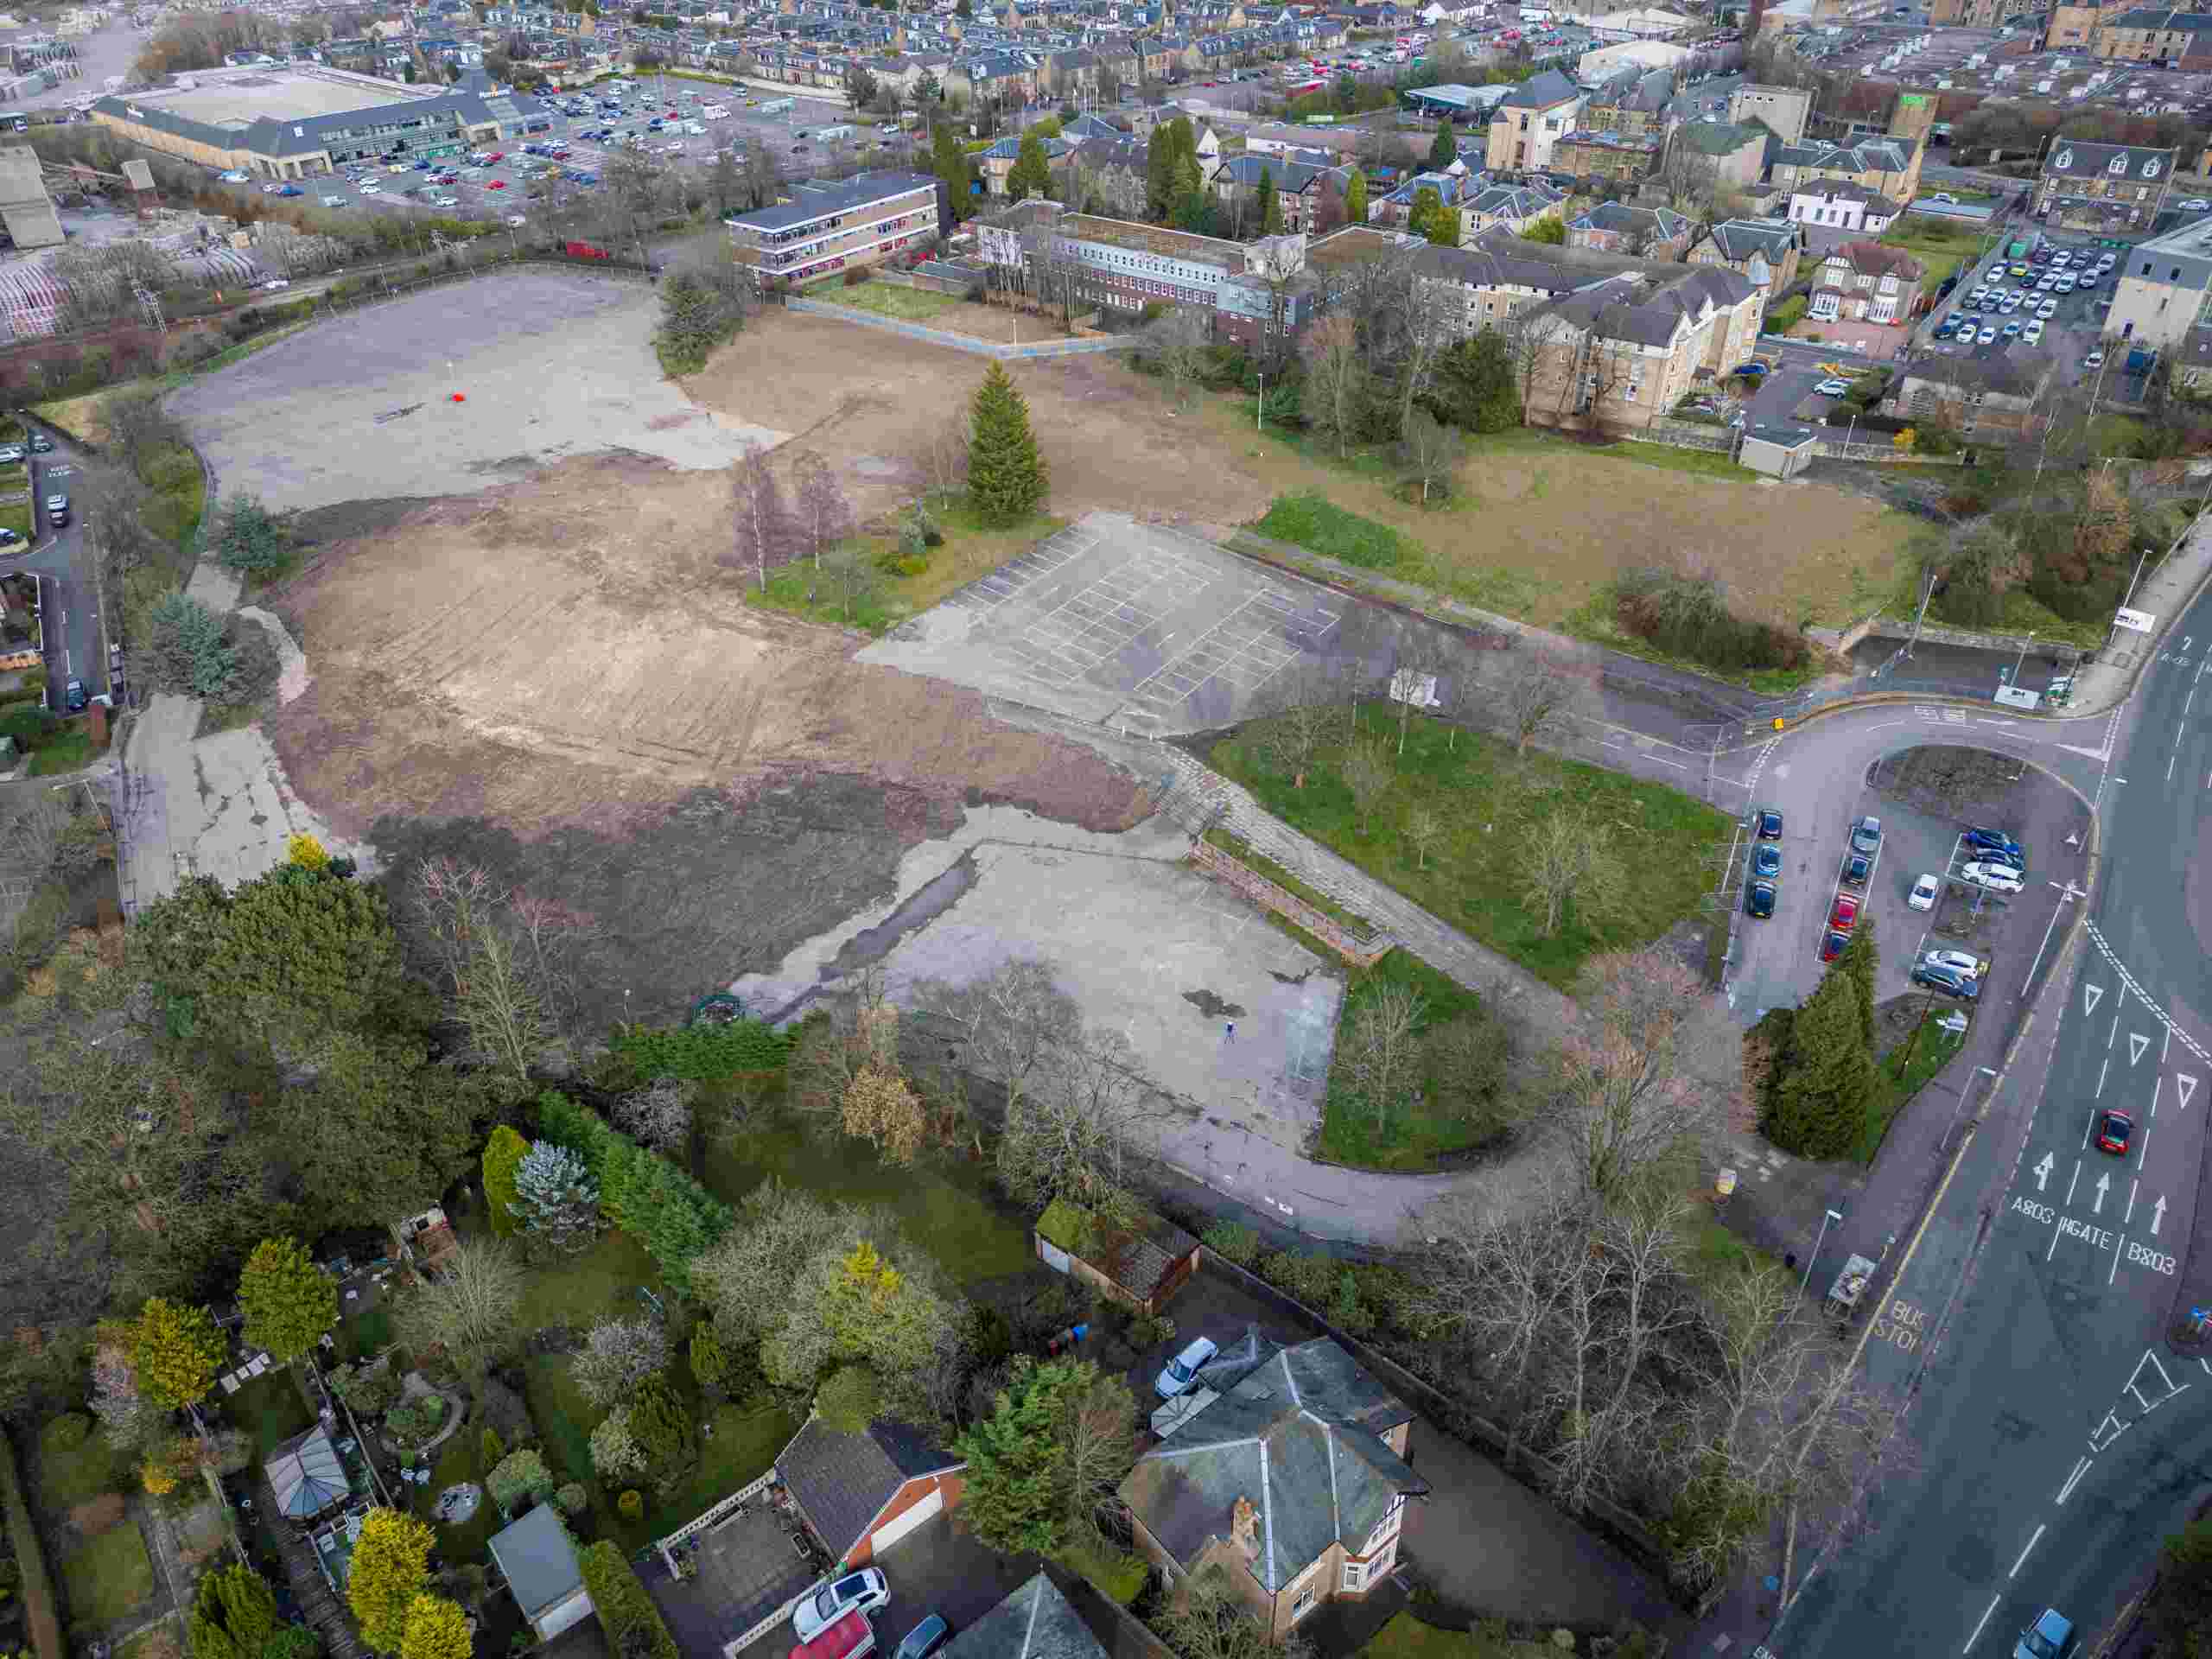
(68, 1476)
(1488, 799)
(64, 752)
(1416, 1134)
(603, 1280)
(889, 300)
(269, 1408)
(105, 1579)
(1407, 1637)
(457, 1462)
(943, 1210)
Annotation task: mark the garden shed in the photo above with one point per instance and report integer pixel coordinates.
(538, 1559)
(1140, 1262)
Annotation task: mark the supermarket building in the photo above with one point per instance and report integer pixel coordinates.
(298, 121)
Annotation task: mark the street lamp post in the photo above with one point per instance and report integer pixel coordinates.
(1827, 1218)
(2022, 662)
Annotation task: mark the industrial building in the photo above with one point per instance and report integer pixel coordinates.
(296, 121)
(25, 209)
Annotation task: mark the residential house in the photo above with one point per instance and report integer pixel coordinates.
(859, 1494)
(1299, 186)
(1978, 396)
(2164, 297)
(1970, 14)
(1783, 111)
(537, 1558)
(1071, 75)
(1865, 282)
(1617, 227)
(1499, 275)
(1292, 1484)
(1843, 206)
(2104, 188)
(1086, 127)
(1633, 105)
(305, 1474)
(2180, 40)
(1622, 352)
(1395, 209)
(1588, 156)
(994, 164)
(1890, 167)
(1736, 154)
(1035, 1622)
(1510, 207)
(1763, 250)
(1005, 76)
(1108, 176)
(1531, 119)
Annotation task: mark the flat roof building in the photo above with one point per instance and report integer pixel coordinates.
(820, 228)
(295, 121)
(1469, 103)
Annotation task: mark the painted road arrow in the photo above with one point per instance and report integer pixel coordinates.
(2157, 1215)
(2104, 1185)
(2042, 1171)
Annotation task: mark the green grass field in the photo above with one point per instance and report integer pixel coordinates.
(887, 597)
(603, 1280)
(1415, 1135)
(1407, 1637)
(1487, 800)
(888, 299)
(69, 1475)
(105, 1579)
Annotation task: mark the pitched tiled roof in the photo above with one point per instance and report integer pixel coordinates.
(1541, 92)
(1738, 239)
(2071, 158)
(842, 1481)
(1035, 1622)
(1872, 259)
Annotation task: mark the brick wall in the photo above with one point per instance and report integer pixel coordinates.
(1361, 947)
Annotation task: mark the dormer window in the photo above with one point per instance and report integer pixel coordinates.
(2064, 160)
(2118, 165)
(2151, 169)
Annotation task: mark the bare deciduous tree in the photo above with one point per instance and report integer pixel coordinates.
(1295, 736)
(1382, 1051)
(1539, 691)
(1428, 317)
(1177, 344)
(825, 517)
(1431, 452)
(469, 1309)
(941, 459)
(659, 1115)
(618, 1355)
(1422, 830)
(1627, 1098)
(1563, 863)
(1367, 772)
(500, 953)
(1336, 379)
(761, 528)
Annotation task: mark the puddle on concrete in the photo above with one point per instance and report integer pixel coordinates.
(1213, 1006)
(928, 902)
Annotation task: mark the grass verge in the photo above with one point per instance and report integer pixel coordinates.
(1904, 1072)
(1419, 1133)
(1407, 1637)
(1260, 864)
(105, 1579)
(883, 597)
(1488, 799)
(64, 752)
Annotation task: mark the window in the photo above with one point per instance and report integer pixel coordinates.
(1355, 1575)
(1304, 1604)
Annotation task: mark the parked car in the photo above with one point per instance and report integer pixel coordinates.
(1766, 861)
(1994, 878)
(371, 189)
(1866, 836)
(1182, 1370)
(1991, 839)
(851, 1637)
(517, 220)
(57, 511)
(496, 184)
(1988, 334)
(1770, 824)
(2113, 1128)
(1856, 868)
(276, 282)
(333, 201)
(1949, 980)
(924, 1639)
(2196, 204)
(1844, 916)
(856, 1593)
(1923, 892)
(2051, 1636)
(2094, 360)
(1964, 961)
(40, 444)
(8, 537)
(76, 697)
(1835, 945)
(10, 454)
(1833, 388)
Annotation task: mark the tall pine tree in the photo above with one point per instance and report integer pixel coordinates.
(1007, 477)
(1031, 173)
(949, 163)
(1860, 960)
(1160, 172)
(1356, 198)
(1270, 207)
(1445, 150)
(1825, 1080)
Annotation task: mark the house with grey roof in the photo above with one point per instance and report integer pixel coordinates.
(1846, 206)
(1890, 166)
(1292, 1485)
(1621, 227)
(2102, 186)
(538, 1559)
(1530, 120)
(1509, 207)
(1621, 352)
(859, 1494)
(1035, 1622)
(1764, 251)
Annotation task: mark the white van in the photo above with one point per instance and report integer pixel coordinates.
(715, 112)
(695, 129)
(1997, 877)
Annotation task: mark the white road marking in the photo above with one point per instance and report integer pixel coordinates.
(2137, 1042)
(2158, 1214)
(2130, 1216)
(2042, 1171)
(2101, 1070)
(1979, 1622)
(2169, 767)
(2186, 1083)
(2118, 1251)
(2104, 1185)
(2077, 1170)
(2091, 995)
(2143, 1146)
(2113, 1036)
(2032, 1542)
(2156, 1084)
(2073, 1480)
(2053, 1251)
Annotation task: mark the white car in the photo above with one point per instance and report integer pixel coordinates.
(517, 220)
(1923, 892)
(1996, 878)
(2196, 204)
(333, 201)
(1944, 197)
(863, 1592)
(2047, 310)
(1959, 962)
(1833, 388)
(1987, 335)
(2033, 333)
(1182, 1370)
(2094, 360)
(372, 189)
(276, 282)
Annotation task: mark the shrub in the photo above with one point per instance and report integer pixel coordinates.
(1688, 617)
(68, 1431)
(520, 1475)
(187, 650)
(572, 1498)
(702, 1053)
(631, 1505)
(674, 1216)
(1233, 1242)
(634, 1625)
(244, 537)
(1152, 1330)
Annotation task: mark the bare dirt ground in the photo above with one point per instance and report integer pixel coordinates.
(554, 678)
(1539, 525)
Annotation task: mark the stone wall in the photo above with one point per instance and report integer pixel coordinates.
(1362, 947)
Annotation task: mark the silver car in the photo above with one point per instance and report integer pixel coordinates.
(1958, 960)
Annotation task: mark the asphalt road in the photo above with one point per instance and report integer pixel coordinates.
(2057, 1438)
(63, 559)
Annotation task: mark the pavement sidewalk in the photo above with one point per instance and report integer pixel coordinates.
(2163, 594)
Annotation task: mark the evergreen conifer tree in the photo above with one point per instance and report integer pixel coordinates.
(1270, 206)
(1356, 198)
(1445, 150)
(1007, 478)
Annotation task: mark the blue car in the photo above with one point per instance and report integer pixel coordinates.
(1992, 841)
(291, 190)
(1766, 861)
(924, 1639)
(2050, 1636)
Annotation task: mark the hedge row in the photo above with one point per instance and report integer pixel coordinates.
(38, 1589)
(650, 1198)
(702, 1053)
(621, 1601)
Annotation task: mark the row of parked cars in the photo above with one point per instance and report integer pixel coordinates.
(1994, 862)
(833, 1622)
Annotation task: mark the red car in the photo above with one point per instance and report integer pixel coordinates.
(2112, 1131)
(1834, 946)
(1844, 916)
(496, 184)
(496, 156)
